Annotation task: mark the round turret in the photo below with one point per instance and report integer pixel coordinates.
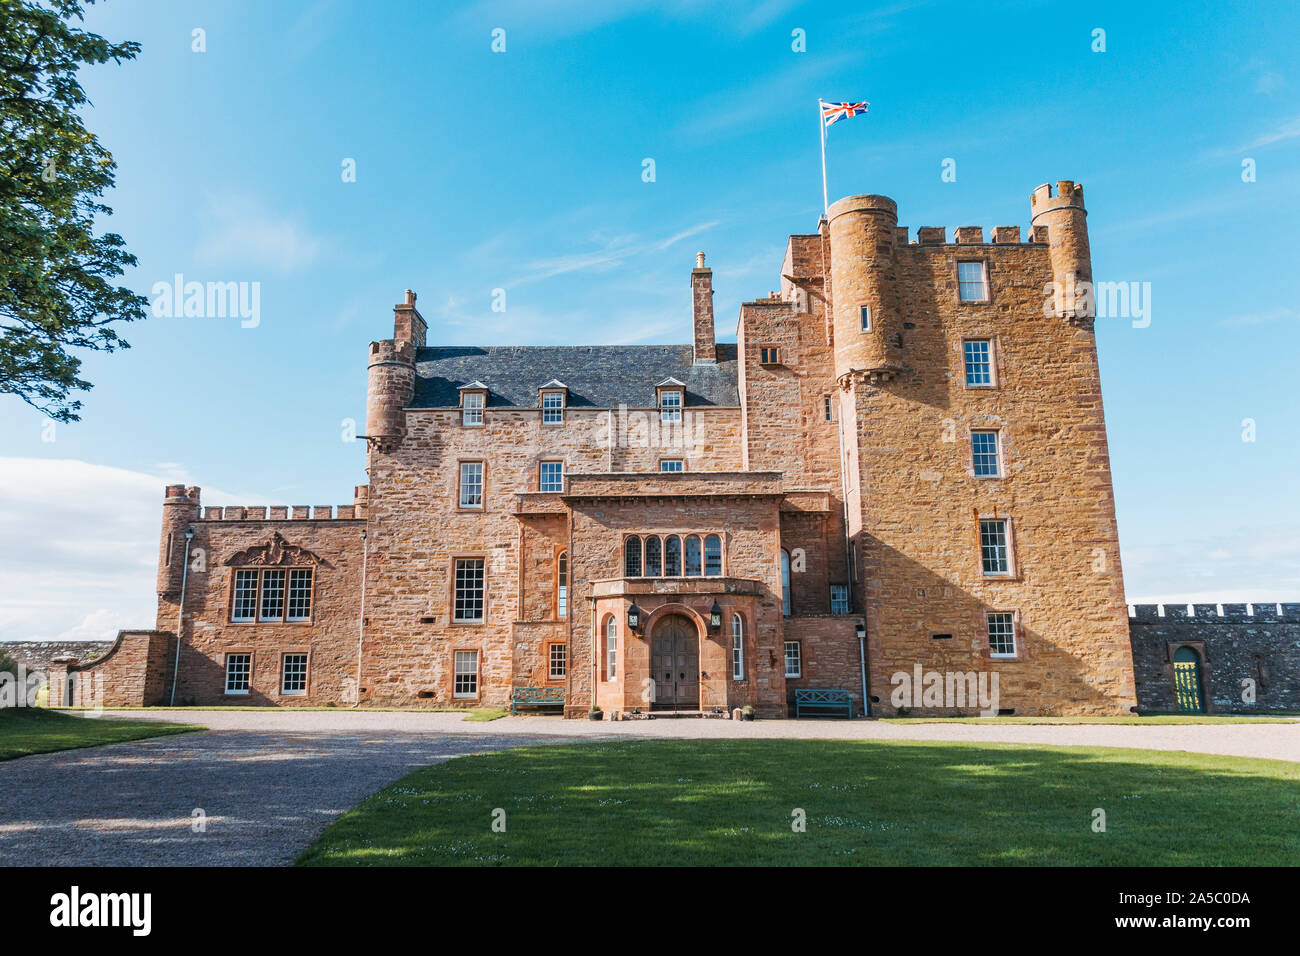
(1066, 220)
(862, 263)
(391, 379)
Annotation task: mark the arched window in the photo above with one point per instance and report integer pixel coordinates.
(632, 557)
(653, 557)
(673, 557)
(611, 647)
(694, 565)
(785, 582)
(712, 555)
(562, 585)
(737, 648)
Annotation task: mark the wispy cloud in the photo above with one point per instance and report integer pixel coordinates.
(613, 251)
(1260, 318)
(240, 231)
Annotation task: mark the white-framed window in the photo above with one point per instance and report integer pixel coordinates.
(239, 668)
(471, 484)
(552, 408)
(558, 661)
(737, 647)
(466, 676)
(260, 595)
(271, 607)
(670, 406)
(984, 454)
(785, 582)
(973, 281)
(562, 585)
(1002, 633)
(839, 599)
(769, 355)
(864, 317)
(978, 356)
(551, 476)
(671, 465)
(471, 412)
(293, 675)
(995, 547)
(468, 598)
(611, 647)
(299, 594)
(793, 659)
(243, 607)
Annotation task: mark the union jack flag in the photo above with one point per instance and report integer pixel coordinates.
(834, 112)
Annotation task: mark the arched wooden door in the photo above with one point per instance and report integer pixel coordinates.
(675, 664)
(1187, 681)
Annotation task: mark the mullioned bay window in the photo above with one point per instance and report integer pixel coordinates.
(672, 556)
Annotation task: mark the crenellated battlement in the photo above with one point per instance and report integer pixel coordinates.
(1068, 193)
(185, 504)
(967, 236)
(1213, 613)
(392, 350)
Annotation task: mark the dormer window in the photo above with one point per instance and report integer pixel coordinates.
(670, 406)
(672, 396)
(473, 399)
(553, 399)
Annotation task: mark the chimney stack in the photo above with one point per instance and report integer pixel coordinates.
(408, 324)
(702, 306)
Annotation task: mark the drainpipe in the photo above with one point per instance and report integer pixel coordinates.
(180, 618)
(361, 621)
(862, 658)
(848, 566)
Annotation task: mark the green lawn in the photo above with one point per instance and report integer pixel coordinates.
(720, 803)
(34, 730)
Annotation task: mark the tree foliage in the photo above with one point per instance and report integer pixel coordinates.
(57, 277)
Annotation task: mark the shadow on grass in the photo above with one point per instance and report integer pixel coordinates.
(27, 730)
(720, 803)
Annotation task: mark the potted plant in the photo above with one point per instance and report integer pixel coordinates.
(747, 712)
(594, 713)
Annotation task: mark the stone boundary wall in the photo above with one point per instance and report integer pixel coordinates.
(1242, 648)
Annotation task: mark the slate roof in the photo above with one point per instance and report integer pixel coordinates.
(598, 376)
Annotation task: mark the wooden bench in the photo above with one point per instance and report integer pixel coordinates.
(822, 702)
(536, 697)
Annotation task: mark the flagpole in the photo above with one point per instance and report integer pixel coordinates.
(821, 122)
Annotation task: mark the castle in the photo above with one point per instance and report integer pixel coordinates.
(901, 462)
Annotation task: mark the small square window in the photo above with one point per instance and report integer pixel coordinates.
(466, 679)
(472, 409)
(293, 679)
(670, 406)
(978, 355)
(972, 280)
(1002, 634)
(769, 355)
(984, 454)
(671, 465)
(864, 317)
(552, 477)
(238, 669)
(552, 408)
(839, 599)
(558, 659)
(471, 484)
(995, 551)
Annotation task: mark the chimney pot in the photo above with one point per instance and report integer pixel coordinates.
(699, 260)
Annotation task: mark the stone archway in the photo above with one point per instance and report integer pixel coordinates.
(675, 663)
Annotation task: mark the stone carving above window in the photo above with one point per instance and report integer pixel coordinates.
(274, 553)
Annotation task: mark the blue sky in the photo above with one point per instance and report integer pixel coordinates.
(522, 170)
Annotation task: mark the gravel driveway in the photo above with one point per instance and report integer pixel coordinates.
(266, 796)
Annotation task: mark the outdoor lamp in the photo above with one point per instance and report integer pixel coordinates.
(715, 616)
(634, 617)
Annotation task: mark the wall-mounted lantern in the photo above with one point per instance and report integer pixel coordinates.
(634, 617)
(715, 617)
